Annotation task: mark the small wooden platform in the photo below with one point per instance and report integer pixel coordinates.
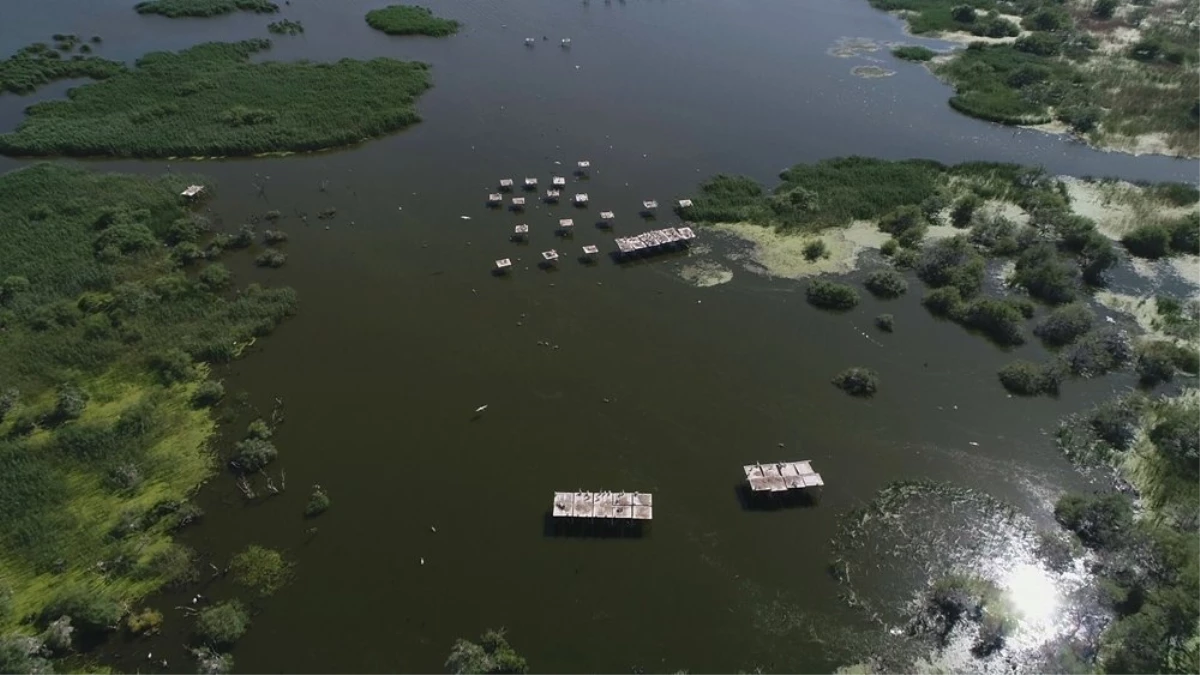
(629, 506)
(655, 241)
(591, 250)
(558, 181)
(553, 195)
(685, 203)
(565, 223)
(506, 183)
(649, 205)
(192, 191)
(581, 199)
(503, 264)
(518, 203)
(530, 183)
(782, 476)
(550, 256)
(607, 215)
(495, 198)
(520, 231)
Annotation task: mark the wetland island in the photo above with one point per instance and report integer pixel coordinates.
(356, 337)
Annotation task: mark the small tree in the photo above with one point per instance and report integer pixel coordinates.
(1065, 324)
(258, 429)
(1104, 9)
(963, 13)
(318, 502)
(492, 654)
(886, 283)
(831, 295)
(964, 209)
(1100, 521)
(815, 250)
(260, 569)
(212, 662)
(885, 322)
(857, 381)
(172, 365)
(1155, 362)
(1148, 241)
(253, 454)
(222, 624)
(1025, 378)
(208, 393)
(215, 277)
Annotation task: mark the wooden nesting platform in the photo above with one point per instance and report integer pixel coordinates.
(581, 199)
(518, 203)
(782, 476)
(503, 264)
(530, 183)
(558, 181)
(495, 198)
(685, 203)
(192, 191)
(649, 205)
(607, 215)
(614, 506)
(553, 195)
(520, 231)
(550, 256)
(565, 223)
(506, 183)
(591, 250)
(655, 241)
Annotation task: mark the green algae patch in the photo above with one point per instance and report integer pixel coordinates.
(410, 20)
(176, 9)
(210, 100)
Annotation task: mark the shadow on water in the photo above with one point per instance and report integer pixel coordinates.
(771, 501)
(591, 528)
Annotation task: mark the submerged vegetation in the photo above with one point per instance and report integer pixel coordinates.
(1113, 71)
(410, 20)
(39, 64)
(286, 27)
(203, 8)
(212, 100)
(104, 356)
(857, 381)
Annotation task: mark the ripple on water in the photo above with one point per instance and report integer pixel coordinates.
(705, 273)
(912, 534)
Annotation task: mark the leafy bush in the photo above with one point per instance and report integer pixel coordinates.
(492, 654)
(223, 623)
(208, 393)
(1104, 9)
(1100, 521)
(253, 454)
(318, 502)
(889, 247)
(1156, 362)
(952, 262)
(272, 237)
(1044, 275)
(1185, 234)
(885, 322)
(1176, 435)
(172, 365)
(857, 381)
(1177, 194)
(1065, 324)
(146, 622)
(1000, 320)
(831, 295)
(215, 277)
(944, 302)
(1148, 241)
(258, 429)
(261, 569)
(1025, 378)
(91, 609)
(885, 283)
(234, 107)
(964, 209)
(271, 258)
(286, 27)
(913, 53)
(1098, 352)
(410, 20)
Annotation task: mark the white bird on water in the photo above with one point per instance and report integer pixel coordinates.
(422, 561)
(481, 408)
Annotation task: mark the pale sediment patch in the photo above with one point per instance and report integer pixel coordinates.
(1188, 269)
(850, 47)
(871, 72)
(782, 254)
(705, 273)
(1143, 309)
(1007, 210)
(1106, 203)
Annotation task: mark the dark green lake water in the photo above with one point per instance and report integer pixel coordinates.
(403, 332)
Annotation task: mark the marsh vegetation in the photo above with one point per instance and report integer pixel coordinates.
(106, 350)
(212, 100)
(204, 8)
(40, 64)
(410, 20)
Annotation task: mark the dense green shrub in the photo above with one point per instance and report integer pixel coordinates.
(260, 569)
(318, 502)
(91, 609)
(1065, 324)
(203, 8)
(492, 654)
(1044, 275)
(885, 322)
(1148, 241)
(815, 250)
(913, 53)
(214, 277)
(831, 295)
(1100, 521)
(1177, 194)
(1025, 378)
(212, 100)
(1185, 234)
(857, 381)
(1104, 9)
(886, 283)
(1156, 362)
(253, 454)
(952, 262)
(270, 258)
(286, 27)
(223, 623)
(1098, 352)
(1176, 435)
(945, 302)
(1000, 320)
(410, 20)
(964, 209)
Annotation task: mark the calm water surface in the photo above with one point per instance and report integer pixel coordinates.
(652, 384)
